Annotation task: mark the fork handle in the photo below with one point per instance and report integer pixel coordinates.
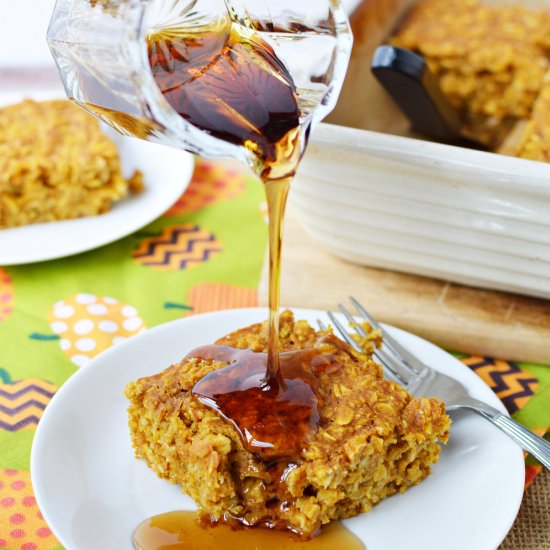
(530, 442)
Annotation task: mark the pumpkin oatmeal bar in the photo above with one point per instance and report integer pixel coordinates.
(56, 164)
(373, 439)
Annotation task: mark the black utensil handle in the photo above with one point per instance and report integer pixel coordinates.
(407, 79)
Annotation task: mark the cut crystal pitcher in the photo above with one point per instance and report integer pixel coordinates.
(104, 57)
(238, 78)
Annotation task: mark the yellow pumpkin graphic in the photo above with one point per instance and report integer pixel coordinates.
(87, 325)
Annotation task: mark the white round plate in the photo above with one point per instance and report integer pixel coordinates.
(93, 492)
(166, 174)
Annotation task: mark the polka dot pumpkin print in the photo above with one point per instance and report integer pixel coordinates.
(6, 295)
(88, 324)
(21, 523)
(211, 183)
(178, 247)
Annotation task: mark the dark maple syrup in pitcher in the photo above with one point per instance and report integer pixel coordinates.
(230, 84)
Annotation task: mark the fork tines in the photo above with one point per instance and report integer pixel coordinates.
(397, 362)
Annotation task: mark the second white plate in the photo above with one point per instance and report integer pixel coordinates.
(93, 492)
(166, 174)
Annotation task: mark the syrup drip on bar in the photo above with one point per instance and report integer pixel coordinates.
(274, 422)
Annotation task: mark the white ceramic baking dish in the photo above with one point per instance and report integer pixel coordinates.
(387, 200)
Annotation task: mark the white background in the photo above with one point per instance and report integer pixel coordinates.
(23, 25)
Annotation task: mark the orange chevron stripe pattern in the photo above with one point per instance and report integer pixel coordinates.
(513, 386)
(216, 296)
(178, 247)
(22, 403)
(6, 295)
(211, 183)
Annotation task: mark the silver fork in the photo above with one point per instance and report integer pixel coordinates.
(420, 380)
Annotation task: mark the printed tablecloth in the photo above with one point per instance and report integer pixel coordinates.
(204, 254)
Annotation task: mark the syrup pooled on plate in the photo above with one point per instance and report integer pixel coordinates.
(181, 531)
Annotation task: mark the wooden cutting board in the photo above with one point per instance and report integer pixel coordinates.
(457, 318)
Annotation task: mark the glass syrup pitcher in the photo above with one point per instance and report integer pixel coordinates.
(104, 52)
(236, 78)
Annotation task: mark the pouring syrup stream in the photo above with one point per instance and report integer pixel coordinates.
(232, 85)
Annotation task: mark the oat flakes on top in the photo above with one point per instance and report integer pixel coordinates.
(373, 440)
